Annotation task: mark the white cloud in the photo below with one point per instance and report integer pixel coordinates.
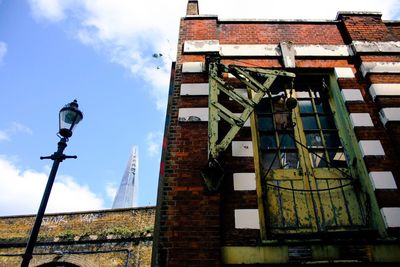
(17, 127)
(4, 136)
(111, 190)
(154, 141)
(3, 51)
(52, 10)
(21, 192)
(129, 32)
(13, 129)
(293, 9)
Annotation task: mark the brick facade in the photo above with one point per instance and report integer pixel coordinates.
(195, 227)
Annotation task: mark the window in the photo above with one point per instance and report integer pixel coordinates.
(308, 186)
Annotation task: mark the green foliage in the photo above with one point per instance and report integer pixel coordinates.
(149, 229)
(67, 235)
(119, 231)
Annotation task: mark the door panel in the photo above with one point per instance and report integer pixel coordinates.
(307, 183)
(289, 211)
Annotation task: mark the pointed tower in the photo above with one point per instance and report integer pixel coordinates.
(126, 196)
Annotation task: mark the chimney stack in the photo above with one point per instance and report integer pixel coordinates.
(192, 8)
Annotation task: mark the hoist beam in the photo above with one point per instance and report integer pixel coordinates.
(256, 89)
(258, 82)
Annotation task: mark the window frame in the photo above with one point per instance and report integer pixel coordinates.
(350, 145)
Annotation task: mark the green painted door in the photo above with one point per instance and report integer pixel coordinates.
(307, 183)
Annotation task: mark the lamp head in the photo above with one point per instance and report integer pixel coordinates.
(69, 117)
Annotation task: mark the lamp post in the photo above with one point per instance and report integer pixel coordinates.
(69, 117)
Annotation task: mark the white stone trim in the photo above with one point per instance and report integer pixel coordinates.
(193, 67)
(194, 89)
(267, 50)
(381, 47)
(247, 219)
(384, 89)
(323, 50)
(193, 114)
(389, 114)
(344, 73)
(250, 50)
(391, 216)
(242, 149)
(201, 46)
(371, 148)
(352, 95)
(379, 67)
(244, 181)
(382, 180)
(357, 13)
(361, 120)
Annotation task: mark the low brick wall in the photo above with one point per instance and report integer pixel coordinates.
(93, 238)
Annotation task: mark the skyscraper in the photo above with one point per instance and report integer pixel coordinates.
(126, 196)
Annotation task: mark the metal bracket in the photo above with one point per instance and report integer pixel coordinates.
(259, 83)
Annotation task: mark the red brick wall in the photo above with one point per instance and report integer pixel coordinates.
(194, 224)
(273, 33)
(394, 29)
(367, 28)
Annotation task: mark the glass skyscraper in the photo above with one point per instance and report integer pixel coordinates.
(126, 196)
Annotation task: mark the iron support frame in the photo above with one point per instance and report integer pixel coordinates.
(259, 82)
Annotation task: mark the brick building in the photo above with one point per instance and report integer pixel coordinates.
(117, 237)
(281, 143)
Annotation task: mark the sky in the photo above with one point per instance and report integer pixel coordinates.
(100, 52)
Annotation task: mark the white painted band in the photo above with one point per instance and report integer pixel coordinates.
(384, 89)
(382, 180)
(344, 73)
(371, 148)
(250, 50)
(379, 67)
(352, 95)
(242, 149)
(361, 120)
(244, 181)
(194, 88)
(379, 47)
(247, 219)
(201, 46)
(271, 50)
(391, 216)
(389, 114)
(193, 67)
(193, 114)
(323, 50)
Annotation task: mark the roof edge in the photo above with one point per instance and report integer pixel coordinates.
(358, 13)
(80, 212)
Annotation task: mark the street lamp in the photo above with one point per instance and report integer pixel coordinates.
(69, 117)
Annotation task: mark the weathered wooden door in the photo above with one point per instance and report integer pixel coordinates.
(308, 187)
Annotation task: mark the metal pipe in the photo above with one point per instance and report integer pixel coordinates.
(128, 258)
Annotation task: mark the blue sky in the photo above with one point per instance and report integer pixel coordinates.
(100, 52)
